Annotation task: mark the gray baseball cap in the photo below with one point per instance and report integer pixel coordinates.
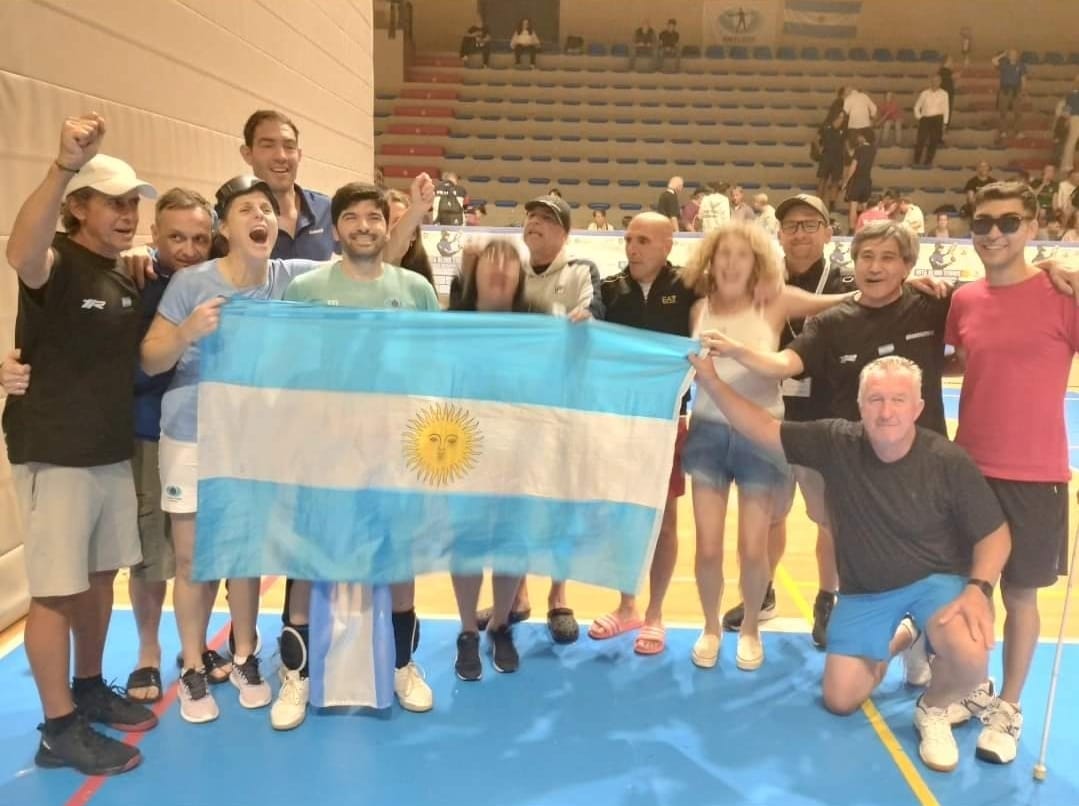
(806, 200)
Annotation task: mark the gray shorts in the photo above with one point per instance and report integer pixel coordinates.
(77, 521)
(155, 534)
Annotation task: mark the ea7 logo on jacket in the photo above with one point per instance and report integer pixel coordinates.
(93, 304)
(670, 299)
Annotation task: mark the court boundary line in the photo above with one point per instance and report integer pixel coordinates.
(918, 785)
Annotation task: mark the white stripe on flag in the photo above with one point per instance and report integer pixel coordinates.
(373, 441)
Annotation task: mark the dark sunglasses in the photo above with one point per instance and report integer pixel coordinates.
(1007, 224)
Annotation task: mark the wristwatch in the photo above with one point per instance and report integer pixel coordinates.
(986, 587)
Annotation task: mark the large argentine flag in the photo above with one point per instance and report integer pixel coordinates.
(836, 19)
(371, 446)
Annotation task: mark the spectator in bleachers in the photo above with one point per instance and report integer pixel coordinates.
(644, 45)
(451, 198)
(415, 257)
(948, 74)
(474, 215)
(477, 39)
(836, 109)
(931, 112)
(890, 118)
(1013, 85)
(1071, 234)
(715, 209)
(1045, 187)
(1067, 195)
(879, 208)
(668, 45)
(907, 212)
(667, 203)
(688, 217)
(860, 111)
(830, 170)
(525, 42)
(599, 222)
(858, 183)
(943, 228)
(1070, 110)
(555, 192)
(981, 178)
(740, 210)
(766, 214)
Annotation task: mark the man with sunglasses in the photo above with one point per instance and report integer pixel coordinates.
(1015, 338)
(804, 229)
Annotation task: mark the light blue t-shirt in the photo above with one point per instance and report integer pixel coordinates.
(187, 290)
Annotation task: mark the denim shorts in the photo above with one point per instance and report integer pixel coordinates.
(716, 455)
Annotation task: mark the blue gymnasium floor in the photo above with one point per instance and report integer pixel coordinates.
(588, 723)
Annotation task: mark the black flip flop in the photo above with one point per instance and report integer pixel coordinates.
(563, 626)
(146, 677)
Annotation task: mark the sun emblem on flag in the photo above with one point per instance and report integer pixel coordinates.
(442, 443)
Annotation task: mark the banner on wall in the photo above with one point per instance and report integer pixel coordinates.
(953, 259)
(827, 19)
(753, 22)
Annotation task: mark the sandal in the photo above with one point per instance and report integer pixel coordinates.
(483, 617)
(563, 626)
(147, 677)
(217, 668)
(610, 625)
(651, 640)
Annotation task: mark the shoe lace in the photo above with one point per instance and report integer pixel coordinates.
(935, 727)
(291, 688)
(195, 682)
(249, 670)
(1002, 720)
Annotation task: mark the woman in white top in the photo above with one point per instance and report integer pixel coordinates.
(524, 40)
(600, 222)
(732, 268)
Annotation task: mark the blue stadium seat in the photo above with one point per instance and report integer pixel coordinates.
(458, 136)
(626, 160)
(542, 136)
(1030, 57)
(681, 141)
(1055, 58)
(657, 183)
(544, 101)
(547, 85)
(599, 206)
(478, 180)
(505, 203)
(512, 158)
(835, 55)
(483, 157)
(520, 100)
(542, 158)
(713, 163)
(570, 138)
(931, 55)
(906, 55)
(684, 122)
(751, 185)
(623, 103)
(716, 52)
(569, 159)
(629, 183)
(803, 165)
(739, 52)
(810, 53)
(539, 180)
(570, 102)
(685, 162)
(772, 164)
(599, 160)
(1073, 58)
(568, 180)
(691, 52)
(762, 53)
(650, 104)
(655, 161)
(477, 202)
(625, 139)
(883, 55)
(509, 180)
(676, 104)
(455, 157)
(631, 206)
(599, 183)
(780, 185)
(517, 118)
(540, 119)
(597, 49)
(858, 54)
(711, 142)
(620, 50)
(597, 139)
(738, 142)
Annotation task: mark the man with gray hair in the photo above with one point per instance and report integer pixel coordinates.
(936, 560)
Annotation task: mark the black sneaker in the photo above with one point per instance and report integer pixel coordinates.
(89, 752)
(504, 653)
(822, 612)
(468, 665)
(107, 705)
(732, 619)
(211, 662)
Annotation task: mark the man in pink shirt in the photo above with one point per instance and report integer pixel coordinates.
(1015, 337)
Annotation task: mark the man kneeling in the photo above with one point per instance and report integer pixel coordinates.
(917, 531)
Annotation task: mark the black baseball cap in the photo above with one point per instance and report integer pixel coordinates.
(556, 205)
(240, 186)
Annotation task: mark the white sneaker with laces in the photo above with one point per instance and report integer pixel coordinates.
(290, 708)
(974, 705)
(412, 690)
(999, 740)
(937, 746)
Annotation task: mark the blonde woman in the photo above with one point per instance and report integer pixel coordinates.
(730, 265)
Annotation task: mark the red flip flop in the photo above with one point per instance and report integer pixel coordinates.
(610, 625)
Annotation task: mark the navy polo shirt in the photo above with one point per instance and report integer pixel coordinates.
(1011, 75)
(314, 230)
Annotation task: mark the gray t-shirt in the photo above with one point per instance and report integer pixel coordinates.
(895, 523)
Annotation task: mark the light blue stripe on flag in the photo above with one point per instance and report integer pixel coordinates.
(332, 445)
(826, 6)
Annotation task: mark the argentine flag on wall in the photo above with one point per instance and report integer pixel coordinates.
(347, 445)
(833, 19)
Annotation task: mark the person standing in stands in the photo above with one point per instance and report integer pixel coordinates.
(860, 111)
(931, 111)
(1011, 91)
(948, 74)
(667, 204)
(668, 45)
(450, 201)
(858, 183)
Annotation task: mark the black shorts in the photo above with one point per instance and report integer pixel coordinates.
(1037, 514)
(831, 171)
(859, 189)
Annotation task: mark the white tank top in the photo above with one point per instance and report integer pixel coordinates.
(752, 330)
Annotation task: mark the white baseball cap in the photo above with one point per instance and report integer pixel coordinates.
(110, 176)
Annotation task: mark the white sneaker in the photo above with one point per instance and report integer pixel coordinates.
(974, 705)
(197, 704)
(706, 650)
(254, 691)
(290, 708)
(412, 690)
(750, 653)
(999, 739)
(937, 746)
(916, 661)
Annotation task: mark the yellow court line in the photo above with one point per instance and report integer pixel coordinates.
(906, 767)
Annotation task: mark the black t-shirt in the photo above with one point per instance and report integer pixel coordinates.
(864, 154)
(814, 406)
(451, 203)
(668, 204)
(831, 145)
(976, 183)
(80, 332)
(668, 39)
(895, 523)
(839, 342)
(644, 37)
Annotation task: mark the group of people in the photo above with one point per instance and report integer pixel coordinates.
(911, 537)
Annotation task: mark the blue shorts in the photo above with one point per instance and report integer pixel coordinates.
(862, 624)
(717, 455)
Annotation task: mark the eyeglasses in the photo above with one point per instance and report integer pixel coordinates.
(1007, 224)
(808, 226)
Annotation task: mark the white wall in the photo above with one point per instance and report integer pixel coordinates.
(175, 80)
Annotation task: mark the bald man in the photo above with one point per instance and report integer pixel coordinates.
(649, 294)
